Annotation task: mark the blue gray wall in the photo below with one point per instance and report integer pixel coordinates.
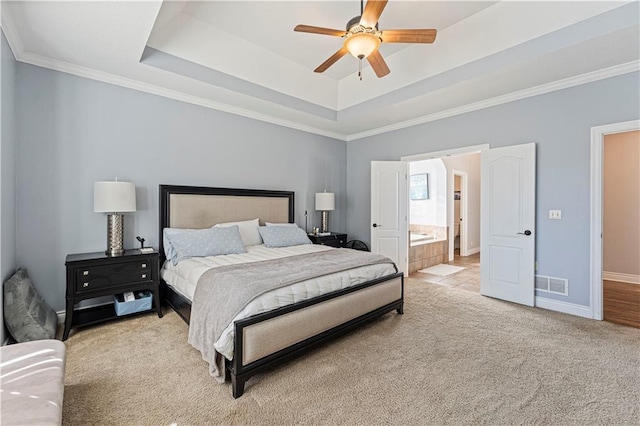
(559, 123)
(8, 139)
(74, 131)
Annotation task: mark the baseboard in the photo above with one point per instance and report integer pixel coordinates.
(564, 307)
(622, 278)
(472, 251)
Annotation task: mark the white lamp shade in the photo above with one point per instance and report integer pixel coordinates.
(325, 201)
(114, 197)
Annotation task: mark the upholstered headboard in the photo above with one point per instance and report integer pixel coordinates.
(202, 207)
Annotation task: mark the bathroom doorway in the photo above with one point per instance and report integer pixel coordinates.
(444, 220)
(458, 228)
(428, 231)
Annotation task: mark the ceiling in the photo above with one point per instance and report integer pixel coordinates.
(243, 57)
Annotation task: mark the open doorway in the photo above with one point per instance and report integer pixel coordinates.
(598, 269)
(621, 228)
(508, 217)
(459, 197)
(444, 218)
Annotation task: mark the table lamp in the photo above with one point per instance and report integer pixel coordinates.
(114, 198)
(325, 202)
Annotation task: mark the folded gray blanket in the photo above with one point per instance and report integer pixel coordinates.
(223, 292)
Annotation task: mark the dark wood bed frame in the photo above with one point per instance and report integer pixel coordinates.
(238, 372)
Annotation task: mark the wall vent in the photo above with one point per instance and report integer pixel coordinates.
(542, 283)
(552, 285)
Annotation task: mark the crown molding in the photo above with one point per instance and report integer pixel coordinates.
(510, 97)
(11, 33)
(92, 74)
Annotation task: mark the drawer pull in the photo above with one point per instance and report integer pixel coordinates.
(144, 265)
(85, 273)
(144, 276)
(85, 285)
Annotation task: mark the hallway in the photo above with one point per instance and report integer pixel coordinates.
(467, 279)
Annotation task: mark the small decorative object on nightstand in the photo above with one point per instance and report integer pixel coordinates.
(334, 239)
(143, 249)
(91, 275)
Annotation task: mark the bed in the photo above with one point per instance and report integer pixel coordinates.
(273, 335)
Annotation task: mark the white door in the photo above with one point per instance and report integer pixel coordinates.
(389, 229)
(507, 241)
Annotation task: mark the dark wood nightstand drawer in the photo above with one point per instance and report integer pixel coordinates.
(334, 239)
(96, 277)
(333, 243)
(92, 275)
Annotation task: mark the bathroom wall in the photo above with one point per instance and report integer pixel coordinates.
(469, 164)
(456, 203)
(457, 188)
(429, 217)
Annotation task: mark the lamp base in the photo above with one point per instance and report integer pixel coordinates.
(324, 221)
(115, 227)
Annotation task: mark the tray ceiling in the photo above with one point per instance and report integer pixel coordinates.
(243, 57)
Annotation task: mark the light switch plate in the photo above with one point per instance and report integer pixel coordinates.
(555, 214)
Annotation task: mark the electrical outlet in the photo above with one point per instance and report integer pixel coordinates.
(555, 214)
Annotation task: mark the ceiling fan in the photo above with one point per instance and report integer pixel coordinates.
(362, 37)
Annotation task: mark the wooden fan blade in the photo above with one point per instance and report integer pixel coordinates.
(332, 60)
(319, 30)
(378, 64)
(408, 36)
(371, 13)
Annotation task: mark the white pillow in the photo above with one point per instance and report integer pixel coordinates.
(248, 231)
(280, 224)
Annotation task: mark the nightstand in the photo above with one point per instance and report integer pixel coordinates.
(336, 239)
(91, 275)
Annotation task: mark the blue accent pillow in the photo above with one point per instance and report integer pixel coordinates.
(205, 242)
(283, 236)
(169, 252)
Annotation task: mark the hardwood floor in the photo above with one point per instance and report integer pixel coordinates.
(621, 303)
(467, 279)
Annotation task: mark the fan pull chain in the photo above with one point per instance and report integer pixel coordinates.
(360, 69)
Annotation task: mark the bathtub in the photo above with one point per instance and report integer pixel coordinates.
(415, 239)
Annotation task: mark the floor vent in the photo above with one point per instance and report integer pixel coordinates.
(552, 285)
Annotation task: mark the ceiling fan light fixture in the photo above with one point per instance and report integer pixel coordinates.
(361, 45)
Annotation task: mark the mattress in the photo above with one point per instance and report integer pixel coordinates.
(184, 277)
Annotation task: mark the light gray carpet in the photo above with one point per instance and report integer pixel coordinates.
(454, 357)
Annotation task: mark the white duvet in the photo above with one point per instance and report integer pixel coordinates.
(184, 277)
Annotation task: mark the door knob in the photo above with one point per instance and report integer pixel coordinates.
(375, 225)
(526, 232)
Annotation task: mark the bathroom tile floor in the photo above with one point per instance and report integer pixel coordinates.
(467, 279)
